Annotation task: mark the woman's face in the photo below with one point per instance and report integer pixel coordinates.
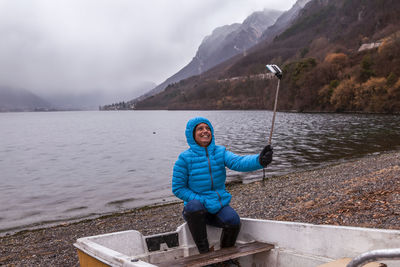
(202, 134)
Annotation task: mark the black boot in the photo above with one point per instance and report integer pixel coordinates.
(197, 226)
(229, 235)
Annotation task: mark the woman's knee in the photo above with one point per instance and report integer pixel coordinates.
(228, 216)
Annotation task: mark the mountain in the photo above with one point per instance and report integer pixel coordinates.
(284, 20)
(224, 43)
(13, 99)
(323, 67)
(212, 52)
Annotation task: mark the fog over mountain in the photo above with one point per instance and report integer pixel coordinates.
(92, 100)
(78, 48)
(223, 43)
(284, 20)
(17, 99)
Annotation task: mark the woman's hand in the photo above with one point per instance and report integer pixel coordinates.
(266, 156)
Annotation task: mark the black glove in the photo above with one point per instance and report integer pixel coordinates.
(266, 156)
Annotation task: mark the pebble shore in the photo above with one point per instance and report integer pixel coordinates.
(363, 192)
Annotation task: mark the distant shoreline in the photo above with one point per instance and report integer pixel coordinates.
(282, 111)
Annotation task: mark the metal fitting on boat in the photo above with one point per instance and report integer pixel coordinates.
(375, 255)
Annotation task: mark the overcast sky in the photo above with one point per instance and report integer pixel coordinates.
(50, 46)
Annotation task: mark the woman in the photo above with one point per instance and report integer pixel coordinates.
(199, 178)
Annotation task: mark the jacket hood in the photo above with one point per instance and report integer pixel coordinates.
(191, 125)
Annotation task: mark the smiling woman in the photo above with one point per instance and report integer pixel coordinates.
(199, 177)
(202, 134)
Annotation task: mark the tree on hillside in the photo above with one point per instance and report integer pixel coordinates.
(343, 95)
(393, 103)
(366, 68)
(371, 95)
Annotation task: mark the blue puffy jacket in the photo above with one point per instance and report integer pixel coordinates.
(199, 173)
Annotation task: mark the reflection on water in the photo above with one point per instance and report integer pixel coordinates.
(64, 165)
(303, 141)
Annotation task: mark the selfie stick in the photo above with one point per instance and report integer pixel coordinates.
(278, 73)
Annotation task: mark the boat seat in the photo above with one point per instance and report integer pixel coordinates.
(344, 261)
(239, 250)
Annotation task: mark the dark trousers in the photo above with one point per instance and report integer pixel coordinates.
(225, 217)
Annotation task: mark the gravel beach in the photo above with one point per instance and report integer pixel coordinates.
(363, 192)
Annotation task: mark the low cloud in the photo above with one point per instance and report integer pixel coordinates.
(85, 46)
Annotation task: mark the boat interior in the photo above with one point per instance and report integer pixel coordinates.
(260, 243)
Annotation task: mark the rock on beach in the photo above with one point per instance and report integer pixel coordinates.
(363, 192)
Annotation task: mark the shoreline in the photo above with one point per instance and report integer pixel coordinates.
(363, 192)
(282, 111)
(49, 224)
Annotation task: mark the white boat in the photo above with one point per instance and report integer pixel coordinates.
(292, 245)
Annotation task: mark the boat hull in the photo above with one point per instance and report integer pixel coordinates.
(295, 244)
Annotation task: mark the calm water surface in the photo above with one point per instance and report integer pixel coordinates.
(60, 166)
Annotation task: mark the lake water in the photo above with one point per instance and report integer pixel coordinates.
(57, 166)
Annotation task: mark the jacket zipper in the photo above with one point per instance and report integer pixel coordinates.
(212, 180)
